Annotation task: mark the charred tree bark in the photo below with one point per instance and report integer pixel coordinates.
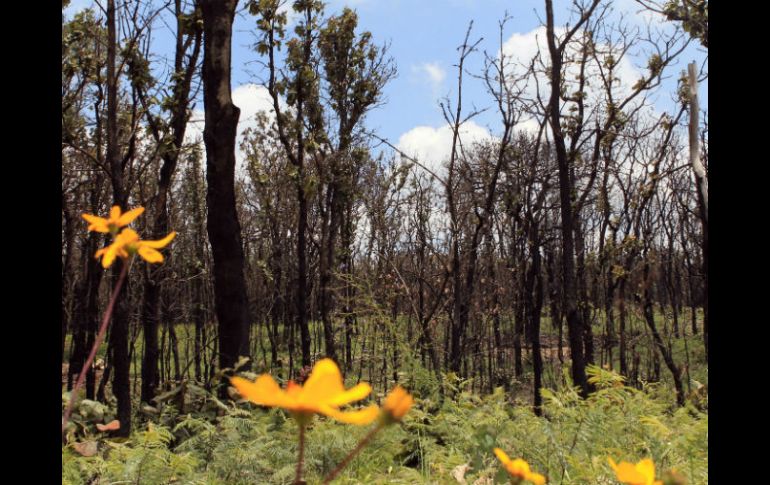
(555, 300)
(534, 306)
(649, 317)
(224, 229)
(85, 315)
(119, 333)
(582, 291)
(277, 310)
(295, 152)
(575, 324)
(198, 266)
(327, 261)
(425, 315)
(464, 291)
(178, 126)
(346, 242)
(66, 269)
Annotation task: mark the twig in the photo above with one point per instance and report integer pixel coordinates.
(360, 446)
(97, 343)
(301, 458)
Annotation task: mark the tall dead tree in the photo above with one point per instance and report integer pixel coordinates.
(170, 137)
(701, 180)
(224, 229)
(462, 289)
(575, 326)
(355, 72)
(116, 163)
(301, 87)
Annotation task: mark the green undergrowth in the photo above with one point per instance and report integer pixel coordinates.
(441, 441)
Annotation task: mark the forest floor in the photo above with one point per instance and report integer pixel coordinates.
(191, 437)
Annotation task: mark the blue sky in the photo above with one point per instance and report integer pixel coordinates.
(423, 37)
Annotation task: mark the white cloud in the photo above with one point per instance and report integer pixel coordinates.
(194, 132)
(252, 99)
(520, 49)
(637, 14)
(435, 72)
(433, 146)
(530, 126)
(431, 73)
(77, 6)
(291, 14)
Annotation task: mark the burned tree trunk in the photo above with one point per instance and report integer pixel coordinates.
(160, 227)
(224, 229)
(701, 179)
(575, 324)
(665, 352)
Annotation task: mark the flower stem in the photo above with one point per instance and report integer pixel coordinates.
(97, 343)
(360, 446)
(301, 457)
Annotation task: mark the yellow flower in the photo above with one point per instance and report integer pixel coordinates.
(519, 468)
(643, 473)
(115, 222)
(397, 403)
(323, 393)
(128, 243)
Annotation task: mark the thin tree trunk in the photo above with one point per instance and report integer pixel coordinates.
(178, 125)
(623, 345)
(224, 229)
(649, 317)
(703, 191)
(533, 299)
(575, 324)
(121, 385)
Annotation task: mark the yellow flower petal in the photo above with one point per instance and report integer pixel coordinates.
(360, 417)
(323, 393)
(647, 468)
(129, 216)
(355, 393)
(324, 383)
(293, 390)
(627, 473)
(127, 236)
(398, 403)
(641, 473)
(95, 223)
(148, 254)
(264, 391)
(519, 467)
(109, 256)
(162, 243)
(114, 222)
(536, 478)
(502, 456)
